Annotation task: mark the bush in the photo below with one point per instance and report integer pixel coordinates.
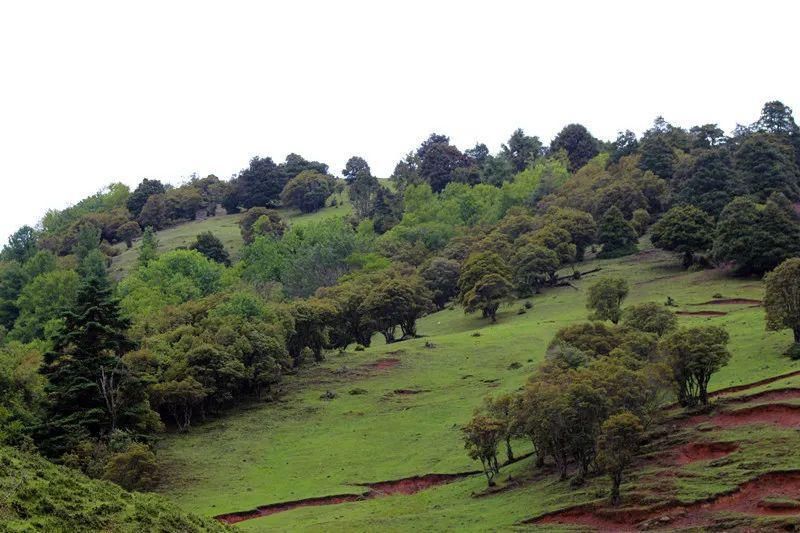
(135, 468)
(794, 351)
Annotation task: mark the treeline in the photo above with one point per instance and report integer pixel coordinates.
(190, 333)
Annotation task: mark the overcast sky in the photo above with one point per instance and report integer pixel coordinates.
(95, 92)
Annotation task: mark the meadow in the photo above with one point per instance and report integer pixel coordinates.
(396, 411)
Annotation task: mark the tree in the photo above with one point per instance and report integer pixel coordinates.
(311, 320)
(21, 245)
(712, 182)
(261, 221)
(657, 154)
(210, 246)
(684, 229)
(154, 212)
(438, 159)
(481, 436)
(650, 317)
(354, 167)
(522, 150)
(580, 145)
(605, 298)
(694, 355)
(179, 398)
(42, 303)
(766, 164)
(182, 203)
(707, 136)
(307, 191)
(441, 278)
(616, 235)
(135, 468)
(398, 302)
(617, 445)
(484, 284)
(580, 225)
(782, 298)
(138, 198)
(626, 144)
(260, 184)
(503, 409)
(533, 265)
(388, 210)
(90, 392)
(129, 231)
(148, 250)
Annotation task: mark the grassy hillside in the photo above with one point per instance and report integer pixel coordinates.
(397, 411)
(36, 495)
(226, 227)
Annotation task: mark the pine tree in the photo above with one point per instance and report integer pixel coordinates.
(89, 391)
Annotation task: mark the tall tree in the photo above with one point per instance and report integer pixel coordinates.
(522, 150)
(139, 196)
(782, 298)
(484, 284)
(766, 164)
(694, 355)
(684, 229)
(616, 234)
(617, 445)
(21, 245)
(712, 182)
(90, 392)
(580, 145)
(605, 298)
(210, 246)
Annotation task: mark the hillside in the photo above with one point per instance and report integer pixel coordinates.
(397, 410)
(225, 227)
(36, 495)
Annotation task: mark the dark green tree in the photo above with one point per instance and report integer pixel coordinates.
(148, 250)
(782, 297)
(90, 391)
(522, 150)
(210, 246)
(684, 229)
(307, 191)
(438, 159)
(694, 355)
(260, 221)
(533, 266)
(625, 144)
(766, 164)
(616, 234)
(657, 156)
(139, 196)
(484, 284)
(605, 299)
(712, 182)
(579, 144)
(441, 278)
(617, 445)
(154, 212)
(129, 231)
(21, 245)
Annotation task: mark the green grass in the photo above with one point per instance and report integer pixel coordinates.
(225, 227)
(36, 495)
(305, 447)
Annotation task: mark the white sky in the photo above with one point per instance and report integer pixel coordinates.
(94, 92)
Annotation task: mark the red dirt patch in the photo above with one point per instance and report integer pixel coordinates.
(788, 393)
(382, 364)
(704, 451)
(732, 301)
(739, 388)
(778, 414)
(771, 494)
(701, 313)
(410, 485)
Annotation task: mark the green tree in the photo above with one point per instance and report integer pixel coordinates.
(42, 303)
(210, 246)
(140, 195)
(657, 156)
(90, 392)
(579, 144)
(580, 225)
(619, 440)
(129, 231)
(782, 298)
(398, 302)
(522, 150)
(650, 317)
(625, 144)
(605, 298)
(685, 229)
(21, 245)
(261, 221)
(179, 398)
(712, 182)
(767, 165)
(484, 284)
(694, 355)
(441, 278)
(307, 191)
(533, 265)
(311, 320)
(481, 436)
(134, 468)
(154, 212)
(438, 160)
(148, 250)
(616, 235)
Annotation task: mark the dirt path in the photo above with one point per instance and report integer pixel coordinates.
(701, 313)
(732, 301)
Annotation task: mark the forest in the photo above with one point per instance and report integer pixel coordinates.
(99, 364)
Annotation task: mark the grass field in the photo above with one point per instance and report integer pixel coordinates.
(304, 446)
(225, 227)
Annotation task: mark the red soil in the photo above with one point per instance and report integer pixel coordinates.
(752, 497)
(778, 414)
(701, 313)
(704, 451)
(773, 395)
(383, 364)
(409, 485)
(732, 301)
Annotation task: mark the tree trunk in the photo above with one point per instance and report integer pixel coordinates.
(688, 259)
(616, 480)
(796, 334)
(509, 452)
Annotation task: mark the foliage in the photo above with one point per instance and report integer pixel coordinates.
(148, 250)
(134, 468)
(650, 317)
(138, 198)
(605, 298)
(578, 143)
(211, 247)
(42, 303)
(694, 355)
(441, 278)
(128, 232)
(684, 229)
(782, 297)
(21, 245)
(533, 266)
(484, 284)
(307, 191)
(481, 436)
(258, 221)
(398, 302)
(617, 447)
(616, 234)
